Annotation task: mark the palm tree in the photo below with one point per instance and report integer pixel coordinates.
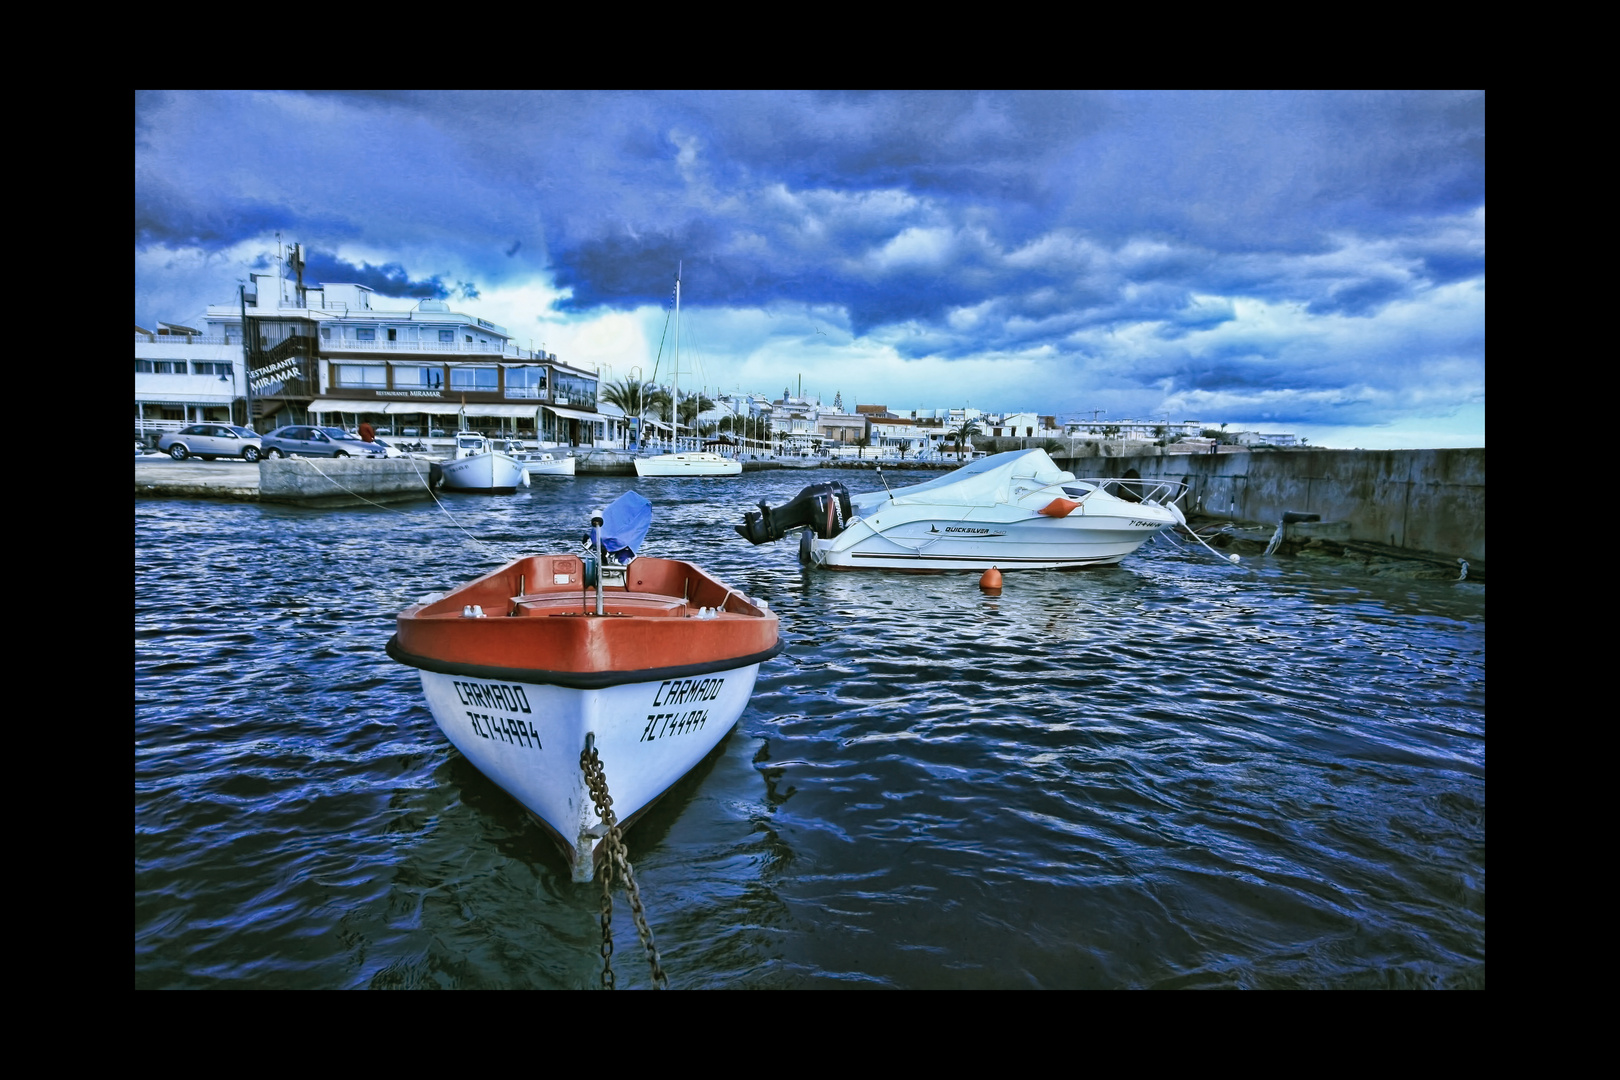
(962, 434)
(635, 398)
(692, 403)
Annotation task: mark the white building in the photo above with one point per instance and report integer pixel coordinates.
(1263, 438)
(184, 376)
(1020, 425)
(338, 354)
(1127, 428)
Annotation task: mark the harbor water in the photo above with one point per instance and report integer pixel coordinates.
(1169, 773)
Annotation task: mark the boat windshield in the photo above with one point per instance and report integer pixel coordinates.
(986, 481)
(470, 444)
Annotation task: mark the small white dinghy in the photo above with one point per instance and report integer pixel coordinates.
(542, 462)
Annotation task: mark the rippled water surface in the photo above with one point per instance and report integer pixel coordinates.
(1169, 773)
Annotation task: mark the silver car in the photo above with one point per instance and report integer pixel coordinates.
(307, 441)
(209, 441)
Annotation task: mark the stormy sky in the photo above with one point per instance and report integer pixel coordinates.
(1312, 263)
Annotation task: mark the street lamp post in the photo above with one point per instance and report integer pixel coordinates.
(640, 406)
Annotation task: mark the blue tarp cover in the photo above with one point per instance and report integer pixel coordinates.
(624, 526)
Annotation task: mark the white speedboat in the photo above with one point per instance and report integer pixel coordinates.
(649, 662)
(1012, 511)
(697, 463)
(477, 466)
(541, 462)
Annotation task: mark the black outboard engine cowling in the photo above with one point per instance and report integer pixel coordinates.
(822, 508)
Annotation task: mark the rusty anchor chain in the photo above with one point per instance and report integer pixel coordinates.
(590, 763)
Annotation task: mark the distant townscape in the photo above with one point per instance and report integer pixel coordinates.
(285, 353)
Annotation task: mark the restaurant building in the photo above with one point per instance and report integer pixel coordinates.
(337, 354)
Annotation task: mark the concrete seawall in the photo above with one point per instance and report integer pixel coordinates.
(1418, 500)
(342, 481)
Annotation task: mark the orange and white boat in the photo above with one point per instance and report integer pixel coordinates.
(652, 660)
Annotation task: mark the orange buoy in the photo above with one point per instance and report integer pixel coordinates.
(991, 582)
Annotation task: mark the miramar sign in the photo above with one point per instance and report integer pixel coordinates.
(280, 371)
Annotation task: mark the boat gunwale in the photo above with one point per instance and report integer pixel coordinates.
(576, 680)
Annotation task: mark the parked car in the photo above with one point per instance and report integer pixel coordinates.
(209, 441)
(318, 442)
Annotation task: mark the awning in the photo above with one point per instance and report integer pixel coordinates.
(573, 414)
(431, 408)
(525, 411)
(373, 406)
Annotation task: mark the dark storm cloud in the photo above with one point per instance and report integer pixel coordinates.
(766, 188)
(1363, 297)
(389, 279)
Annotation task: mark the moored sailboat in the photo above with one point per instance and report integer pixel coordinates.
(690, 463)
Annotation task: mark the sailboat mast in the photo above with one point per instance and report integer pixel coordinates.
(675, 380)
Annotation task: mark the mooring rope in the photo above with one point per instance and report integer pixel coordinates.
(431, 493)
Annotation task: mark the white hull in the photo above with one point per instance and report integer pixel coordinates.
(483, 472)
(896, 540)
(563, 466)
(527, 738)
(700, 464)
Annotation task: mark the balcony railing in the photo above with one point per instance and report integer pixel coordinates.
(186, 339)
(147, 427)
(469, 347)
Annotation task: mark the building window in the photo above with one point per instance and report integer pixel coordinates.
(468, 338)
(411, 378)
(447, 336)
(365, 334)
(326, 333)
(373, 375)
(526, 382)
(143, 366)
(481, 380)
(573, 390)
(393, 335)
(210, 368)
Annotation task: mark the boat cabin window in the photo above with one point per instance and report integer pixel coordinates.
(470, 444)
(1077, 490)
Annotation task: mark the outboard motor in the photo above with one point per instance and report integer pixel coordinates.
(822, 508)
